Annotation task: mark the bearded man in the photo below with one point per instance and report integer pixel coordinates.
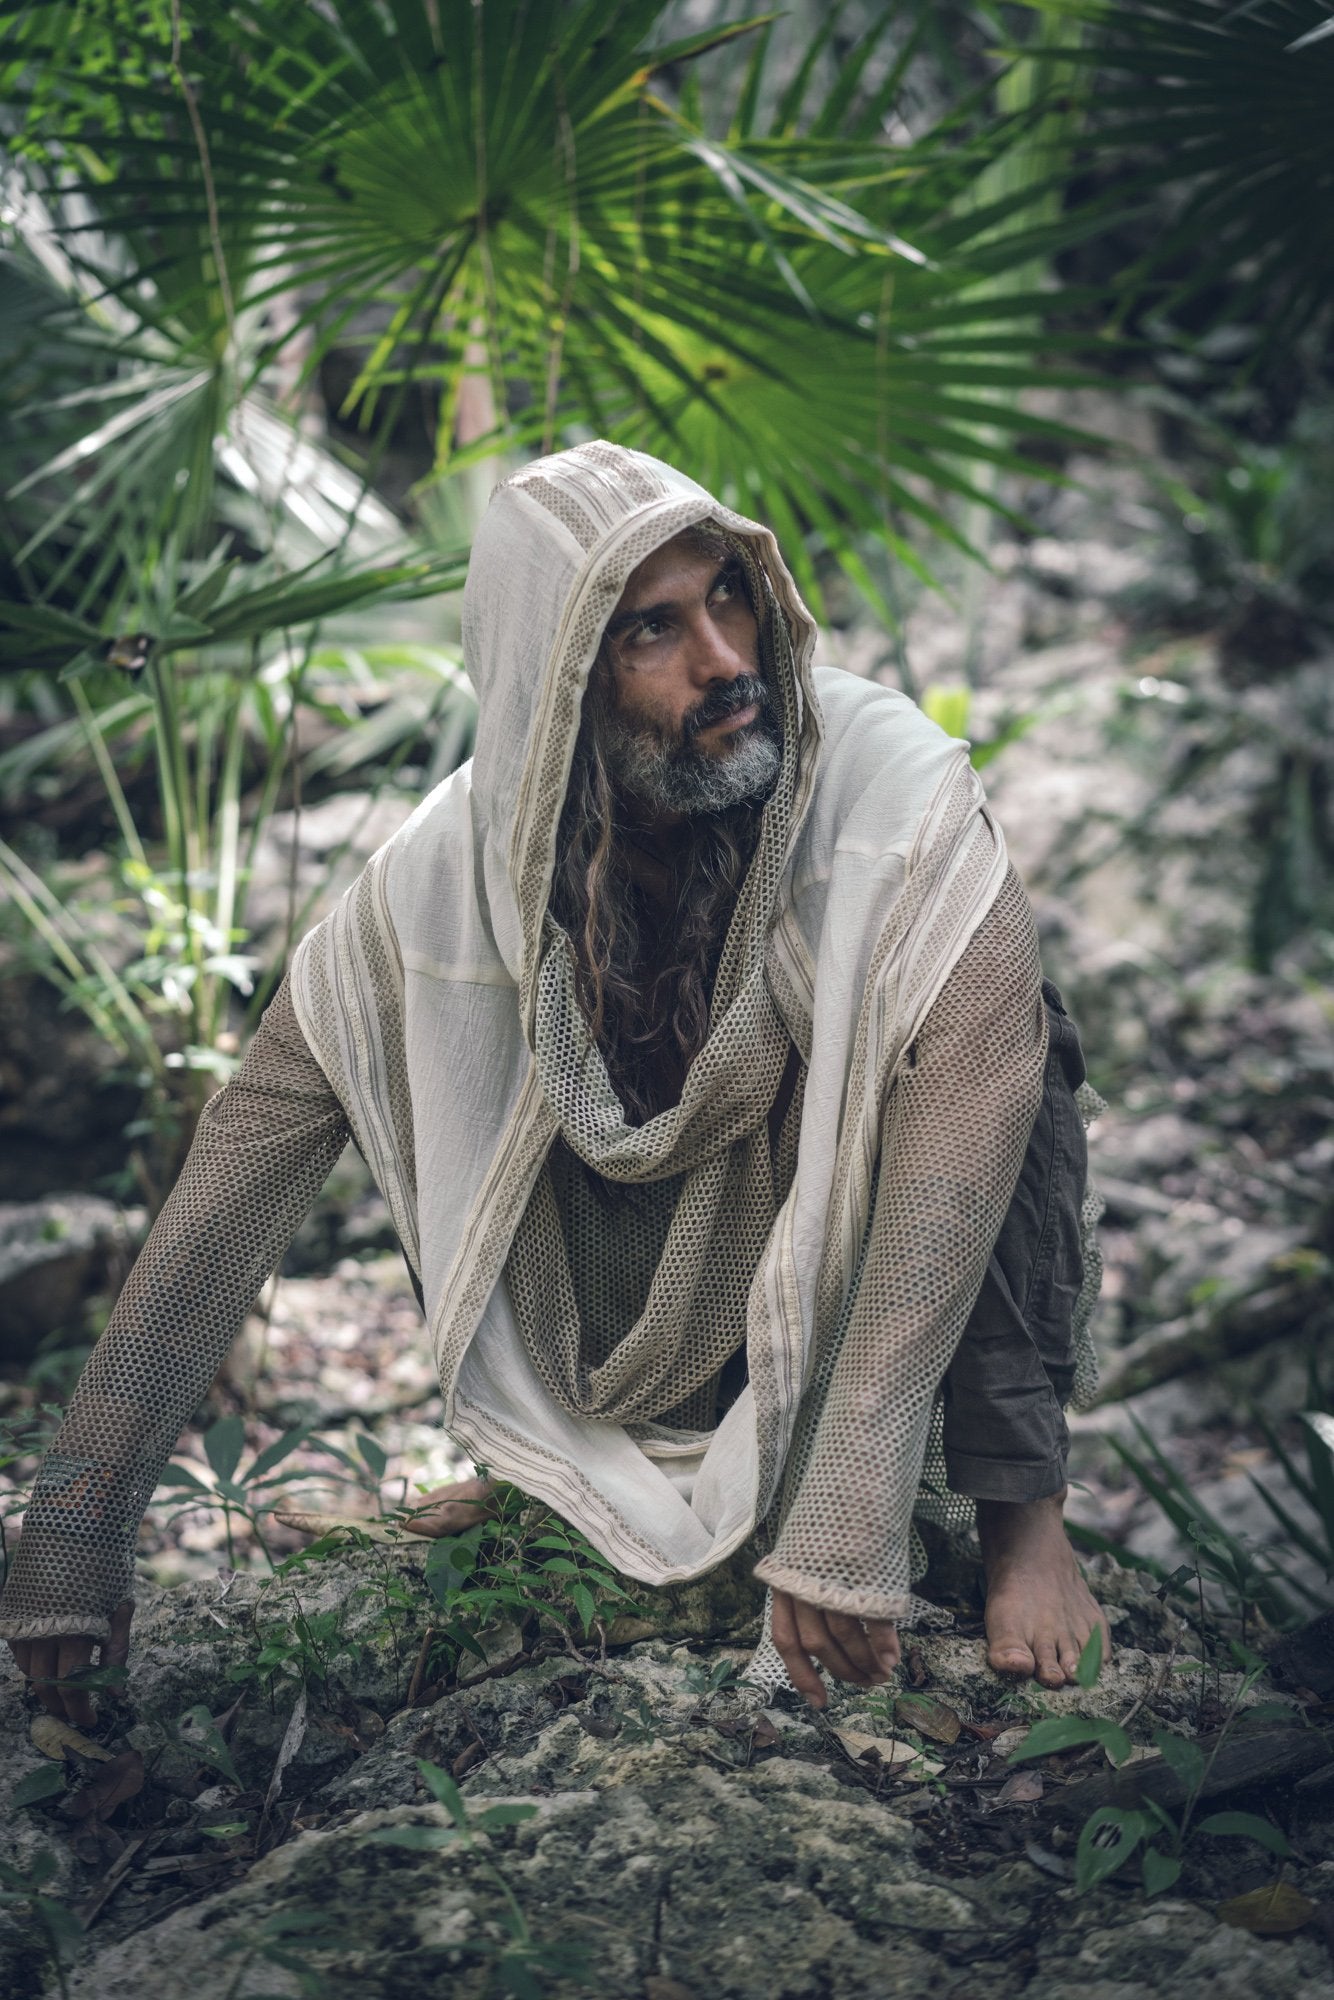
(695, 1035)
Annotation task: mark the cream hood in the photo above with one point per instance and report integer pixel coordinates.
(550, 560)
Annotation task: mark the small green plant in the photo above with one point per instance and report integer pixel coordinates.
(303, 1649)
(521, 1964)
(282, 1940)
(248, 1493)
(197, 1732)
(1113, 1834)
(521, 1563)
(1252, 1582)
(60, 1929)
(723, 1677)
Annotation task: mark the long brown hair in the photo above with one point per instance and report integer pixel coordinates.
(648, 1013)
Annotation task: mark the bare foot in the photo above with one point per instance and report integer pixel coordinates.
(1039, 1610)
(451, 1509)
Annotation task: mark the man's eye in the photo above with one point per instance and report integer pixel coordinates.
(647, 630)
(725, 588)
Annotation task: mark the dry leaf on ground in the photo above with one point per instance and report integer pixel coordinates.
(55, 1738)
(1021, 1788)
(1270, 1912)
(890, 1751)
(123, 1778)
(929, 1717)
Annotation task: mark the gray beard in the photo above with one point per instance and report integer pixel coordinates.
(683, 779)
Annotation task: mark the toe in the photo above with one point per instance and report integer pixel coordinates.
(1008, 1654)
(1049, 1669)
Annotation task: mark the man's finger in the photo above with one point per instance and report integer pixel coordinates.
(849, 1633)
(883, 1638)
(116, 1645)
(73, 1655)
(801, 1671)
(43, 1667)
(814, 1636)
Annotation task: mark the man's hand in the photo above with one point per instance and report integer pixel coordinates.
(451, 1509)
(46, 1661)
(863, 1651)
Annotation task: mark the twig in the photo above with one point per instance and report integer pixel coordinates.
(419, 1670)
(94, 1904)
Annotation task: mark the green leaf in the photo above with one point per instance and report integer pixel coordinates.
(1159, 1871)
(180, 1477)
(505, 1816)
(1245, 1826)
(444, 1790)
(948, 707)
(374, 1453)
(1090, 1659)
(582, 1599)
(1181, 1756)
(1108, 1838)
(274, 1454)
(223, 1445)
(43, 1783)
(207, 1743)
(1072, 1732)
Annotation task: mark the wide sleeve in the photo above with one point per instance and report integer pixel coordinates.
(956, 1126)
(263, 1149)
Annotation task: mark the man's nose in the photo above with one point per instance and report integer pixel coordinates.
(715, 655)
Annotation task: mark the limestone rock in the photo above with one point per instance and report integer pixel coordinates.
(52, 1252)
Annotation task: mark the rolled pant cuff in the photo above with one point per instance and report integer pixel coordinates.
(1003, 1478)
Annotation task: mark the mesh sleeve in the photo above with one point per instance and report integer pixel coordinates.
(263, 1149)
(954, 1133)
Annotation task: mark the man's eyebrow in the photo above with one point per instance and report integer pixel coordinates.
(624, 621)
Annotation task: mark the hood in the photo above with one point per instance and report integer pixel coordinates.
(554, 552)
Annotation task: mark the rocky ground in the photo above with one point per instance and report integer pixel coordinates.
(687, 1834)
(669, 1831)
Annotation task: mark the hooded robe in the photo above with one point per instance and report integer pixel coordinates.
(438, 1004)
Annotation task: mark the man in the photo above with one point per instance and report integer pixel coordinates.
(695, 1035)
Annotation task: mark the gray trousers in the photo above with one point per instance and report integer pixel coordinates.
(1013, 1371)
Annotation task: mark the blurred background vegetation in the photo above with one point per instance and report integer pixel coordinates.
(948, 294)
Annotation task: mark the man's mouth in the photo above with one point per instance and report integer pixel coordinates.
(727, 723)
(728, 709)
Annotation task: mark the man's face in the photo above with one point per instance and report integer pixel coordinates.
(694, 726)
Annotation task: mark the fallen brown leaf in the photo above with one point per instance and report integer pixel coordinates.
(929, 1717)
(1273, 1911)
(1021, 1788)
(985, 1732)
(122, 1779)
(888, 1751)
(469, 1756)
(916, 1664)
(658, 1988)
(55, 1738)
(764, 1735)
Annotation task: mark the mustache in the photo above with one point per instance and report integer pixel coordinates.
(746, 691)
